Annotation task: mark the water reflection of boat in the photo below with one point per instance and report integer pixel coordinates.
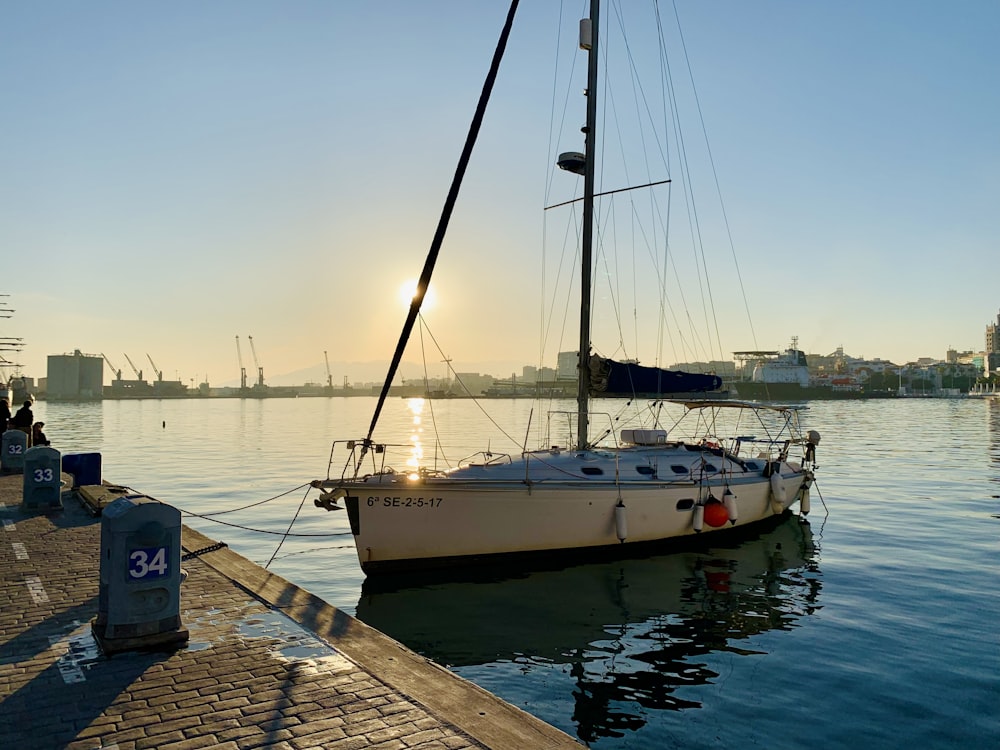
(632, 632)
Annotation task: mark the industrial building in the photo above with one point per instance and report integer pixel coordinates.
(75, 377)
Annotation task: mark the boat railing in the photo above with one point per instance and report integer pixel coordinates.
(364, 457)
(777, 449)
(565, 424)
(354, 459)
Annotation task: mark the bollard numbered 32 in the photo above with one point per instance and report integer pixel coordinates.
(15, 445)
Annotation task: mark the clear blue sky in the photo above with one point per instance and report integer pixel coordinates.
(173, 175)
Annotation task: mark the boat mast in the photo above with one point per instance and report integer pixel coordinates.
(588, 41)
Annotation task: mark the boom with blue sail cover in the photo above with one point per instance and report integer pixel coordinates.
(611, 379)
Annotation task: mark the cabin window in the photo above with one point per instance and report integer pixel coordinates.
(751, 466)
(592, 470)
(686, 503)
(678, 469)
(646, 470)
(710, 468)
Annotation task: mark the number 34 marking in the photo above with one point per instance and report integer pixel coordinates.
(148, 563)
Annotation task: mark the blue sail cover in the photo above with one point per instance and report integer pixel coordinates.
(611, 379)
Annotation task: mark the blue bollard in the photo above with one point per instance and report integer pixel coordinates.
(85, 468)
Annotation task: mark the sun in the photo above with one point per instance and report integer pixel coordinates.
(409, 288)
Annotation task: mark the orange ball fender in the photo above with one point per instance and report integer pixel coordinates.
(716, 514)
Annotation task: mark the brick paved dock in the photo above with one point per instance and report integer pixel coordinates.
(267, 663)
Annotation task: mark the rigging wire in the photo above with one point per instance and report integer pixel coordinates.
(288, 530)
(425, 327)
(438, 448)
(694, 223)
(241, 527)
(655, 235)
(261, 531)
(313, 550)
(715, 175)
(254, 505)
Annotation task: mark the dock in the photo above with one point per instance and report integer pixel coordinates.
(266, 663)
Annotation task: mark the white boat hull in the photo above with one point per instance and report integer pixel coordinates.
(402, 523)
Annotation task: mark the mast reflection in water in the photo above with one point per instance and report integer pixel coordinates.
(634, 635)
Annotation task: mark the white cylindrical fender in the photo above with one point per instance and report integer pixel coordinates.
(698, 518)
(621, 522)
(804, 500)
(777, 492)
(729, 499)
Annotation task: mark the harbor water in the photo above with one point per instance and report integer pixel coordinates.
(876, 624)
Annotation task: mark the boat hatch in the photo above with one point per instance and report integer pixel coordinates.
(644, 437)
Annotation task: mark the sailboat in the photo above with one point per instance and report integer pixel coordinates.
(719, 465)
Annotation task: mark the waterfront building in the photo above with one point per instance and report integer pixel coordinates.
(991, 356)
(566, 366)
(75, 377)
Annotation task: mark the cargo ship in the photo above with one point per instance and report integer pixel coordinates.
(784, 376)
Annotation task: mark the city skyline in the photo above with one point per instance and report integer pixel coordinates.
(178, 175)
(373, 373)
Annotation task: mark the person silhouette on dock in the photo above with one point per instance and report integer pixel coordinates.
(4, 415)
(23, 420)
(37, 436)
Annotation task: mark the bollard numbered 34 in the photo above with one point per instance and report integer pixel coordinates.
(139, 592)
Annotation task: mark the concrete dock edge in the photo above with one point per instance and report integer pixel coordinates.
(477, 712)
(268, 663)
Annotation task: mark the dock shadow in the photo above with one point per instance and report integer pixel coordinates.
(59, 700)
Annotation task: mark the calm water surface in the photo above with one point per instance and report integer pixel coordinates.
(875, 626)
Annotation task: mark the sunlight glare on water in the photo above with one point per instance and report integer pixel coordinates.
(415, 461)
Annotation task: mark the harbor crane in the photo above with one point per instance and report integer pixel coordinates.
(243, 370)
(159, 373)
(329, 377)
(260, 370)
(115, 370)
(138, 373)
